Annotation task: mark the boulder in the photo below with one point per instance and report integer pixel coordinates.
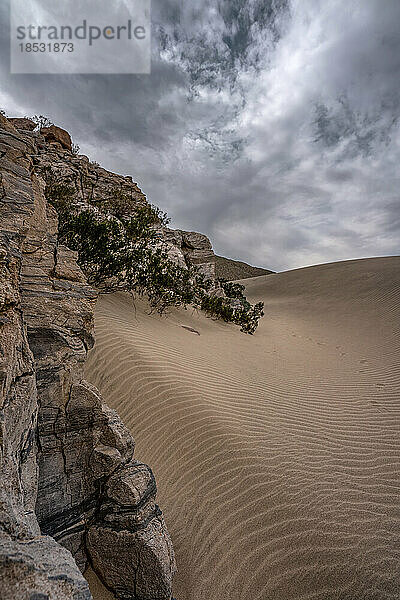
(127, 542)
(187, 248)
(198, 251)
(56, 134)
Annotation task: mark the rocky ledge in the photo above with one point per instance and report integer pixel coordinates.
(71, 491)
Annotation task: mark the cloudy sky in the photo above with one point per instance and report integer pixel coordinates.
(270, 125)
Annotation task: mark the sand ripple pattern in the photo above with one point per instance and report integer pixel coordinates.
(277, 457)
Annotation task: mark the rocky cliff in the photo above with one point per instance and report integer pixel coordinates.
(71, 491)
(91, 185)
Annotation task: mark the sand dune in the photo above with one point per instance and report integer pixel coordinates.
(277, 456)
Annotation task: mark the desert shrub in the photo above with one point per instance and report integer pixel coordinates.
(118, 248)
(122, 206)
(41, 121)
(75, 148)
(60, 195)
(248, 316)
(232, 290)
(216, 306)
(234, 310)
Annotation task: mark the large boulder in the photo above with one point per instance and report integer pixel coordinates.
(198, 251)
(188, 248)
(127, 542)
(56, 134)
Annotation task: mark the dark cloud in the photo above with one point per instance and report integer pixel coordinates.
(271, 126)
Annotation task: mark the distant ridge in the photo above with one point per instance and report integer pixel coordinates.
(234, 269)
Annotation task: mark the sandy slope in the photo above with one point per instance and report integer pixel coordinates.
(277, 456)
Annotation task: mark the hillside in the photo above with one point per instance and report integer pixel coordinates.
(230, 269)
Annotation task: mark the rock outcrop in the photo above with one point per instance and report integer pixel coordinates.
(32, 565)
(89, 182)
(192, 248)
(56, 135)
(71, 491)
(23, 123)
(129, 524)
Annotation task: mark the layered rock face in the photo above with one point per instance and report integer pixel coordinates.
(70, 488)
(30, 563)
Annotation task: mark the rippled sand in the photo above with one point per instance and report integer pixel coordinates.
(277, 456)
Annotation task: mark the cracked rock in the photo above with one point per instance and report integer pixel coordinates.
(70, 489)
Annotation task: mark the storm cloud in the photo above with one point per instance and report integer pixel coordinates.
(271, 126)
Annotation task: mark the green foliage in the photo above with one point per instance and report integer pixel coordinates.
(118, 248)
(99, 244)
(234, 310)
(60, 195)
(232, 290)
(122, 206)
(248, 316)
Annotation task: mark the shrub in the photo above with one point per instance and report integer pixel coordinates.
(41, 122)
(118, 248)
(232, 290)
(122, 206)
(75, 148)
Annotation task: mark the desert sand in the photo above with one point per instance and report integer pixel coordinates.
(277, 456)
